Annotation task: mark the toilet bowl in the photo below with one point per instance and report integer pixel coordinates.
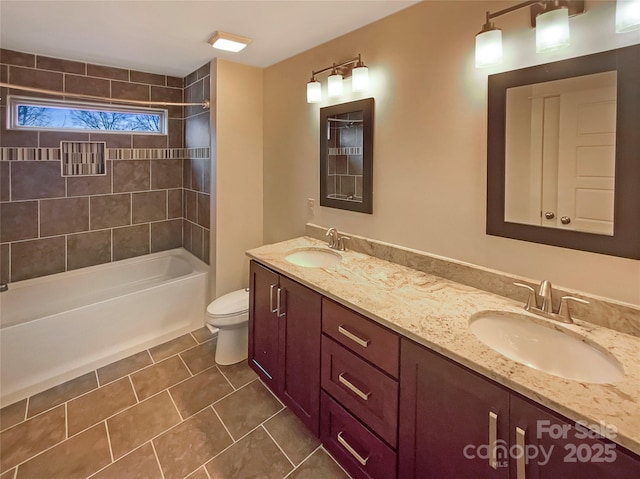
(230, 314)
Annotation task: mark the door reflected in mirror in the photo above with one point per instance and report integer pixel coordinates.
(560, 153)
(346, 156)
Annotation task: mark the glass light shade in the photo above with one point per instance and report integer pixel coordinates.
(334, 85)
(627, 15)
(228, 45)
(489, 48)
(552, 30)
(314, 92)
(360, 79)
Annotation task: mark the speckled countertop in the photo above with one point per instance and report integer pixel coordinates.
(435, 312)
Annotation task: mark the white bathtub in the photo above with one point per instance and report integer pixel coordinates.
(60, 326)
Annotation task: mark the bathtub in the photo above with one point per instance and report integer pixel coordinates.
(60, 326)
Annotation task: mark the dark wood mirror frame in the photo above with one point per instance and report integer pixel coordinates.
(366, 107)
(625, 241)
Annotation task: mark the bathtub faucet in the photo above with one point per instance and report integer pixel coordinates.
(4, 287)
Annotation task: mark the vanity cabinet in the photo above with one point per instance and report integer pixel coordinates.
(450, 417)
(284, 341)
(359, 406)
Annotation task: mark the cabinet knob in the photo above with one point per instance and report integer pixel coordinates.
(549, 215)
(565, 220)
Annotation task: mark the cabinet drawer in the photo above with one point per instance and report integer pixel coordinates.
(359, 451)
(373, 342)
(366, 392)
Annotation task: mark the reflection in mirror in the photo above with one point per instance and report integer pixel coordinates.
(346, 156)
(560, 153)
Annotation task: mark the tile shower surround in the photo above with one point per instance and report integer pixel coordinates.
(167, 412)
(50, 224)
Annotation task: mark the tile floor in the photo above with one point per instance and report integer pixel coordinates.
(165, 413)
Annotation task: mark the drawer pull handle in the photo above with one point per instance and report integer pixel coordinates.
(362, 342)
(349, 385)
(352, 451)
(521, 472)
(273, 310)
(493, 436)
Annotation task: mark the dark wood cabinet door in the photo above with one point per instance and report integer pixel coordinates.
(300, 347)
(445, 419)
(263, 326)
(558, 449)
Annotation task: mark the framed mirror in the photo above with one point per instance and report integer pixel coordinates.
(563, 153)
(346, 156)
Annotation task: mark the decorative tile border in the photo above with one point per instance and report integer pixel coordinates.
(53, 154)
(346, 150)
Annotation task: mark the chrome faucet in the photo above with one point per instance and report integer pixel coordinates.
(546, 308)
(335, 240)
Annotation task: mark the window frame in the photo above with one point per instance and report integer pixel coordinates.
(14, 101)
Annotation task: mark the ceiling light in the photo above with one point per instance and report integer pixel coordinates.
(552, 28)
(627, 15)
(228, 41)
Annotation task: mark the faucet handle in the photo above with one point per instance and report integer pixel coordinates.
(341, 245)
(532, 300)
(564, 307)
(332, 233)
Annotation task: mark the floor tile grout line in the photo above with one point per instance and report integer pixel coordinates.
(225, 376)
(223, 424)
(277, 445)
(130, 372)
(227, 395)
(106, 426)
(206, 472)
(186, 366)
(295, 468)
(346, 473)
(66, 422)
(155, 453)
(182, 419)
(113, 462)
(135, 393)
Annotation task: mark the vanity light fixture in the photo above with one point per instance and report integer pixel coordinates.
(549, 17)
(354, 67)
(228, 41)
(627, 16)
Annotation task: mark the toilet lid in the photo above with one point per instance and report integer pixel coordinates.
(231, 303)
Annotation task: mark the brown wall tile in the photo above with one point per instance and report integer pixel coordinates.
(149, 78)
(198, 174)
(191, 78)
(15, 137)
(186, 235)
(52, 139)
(12, 57)
(205, 246)
(166, 235)
(107, 72)
(175, 82)
(63, 216)
(174, 203)
(148, 206)
(186, 174)
(204, 71)
(56, 64)
(110, 210)
(35, 78)
(176, 133)
(90, 185)
(131, 175)
(166, 174)
(30, 259)
(203, 209)
(113, 140)
(170, 95)
(191, 206)
(194, 93)
(87, 86)
(196, 130)
(150, 141)
(4, 278)
(18, 221)
(129, 91)
(197, 240)
(130, 241)
(88, 249)
(36, 179)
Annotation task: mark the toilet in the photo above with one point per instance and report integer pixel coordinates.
(230, 315)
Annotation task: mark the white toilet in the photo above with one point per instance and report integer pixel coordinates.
(230, 314)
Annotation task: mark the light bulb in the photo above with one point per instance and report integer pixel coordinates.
(552, 30)
(314, 91)
(334, 84)
(489, 48)
(627, 15)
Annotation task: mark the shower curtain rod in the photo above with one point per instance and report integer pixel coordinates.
(204, 104)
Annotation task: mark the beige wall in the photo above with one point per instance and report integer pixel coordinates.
(236, 172)
(429, 141)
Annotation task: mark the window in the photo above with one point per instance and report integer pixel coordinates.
(61, 115)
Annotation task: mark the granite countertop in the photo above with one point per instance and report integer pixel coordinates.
(434, 312)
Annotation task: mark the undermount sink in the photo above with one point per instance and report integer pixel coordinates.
(546, 347)
(313, 258)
